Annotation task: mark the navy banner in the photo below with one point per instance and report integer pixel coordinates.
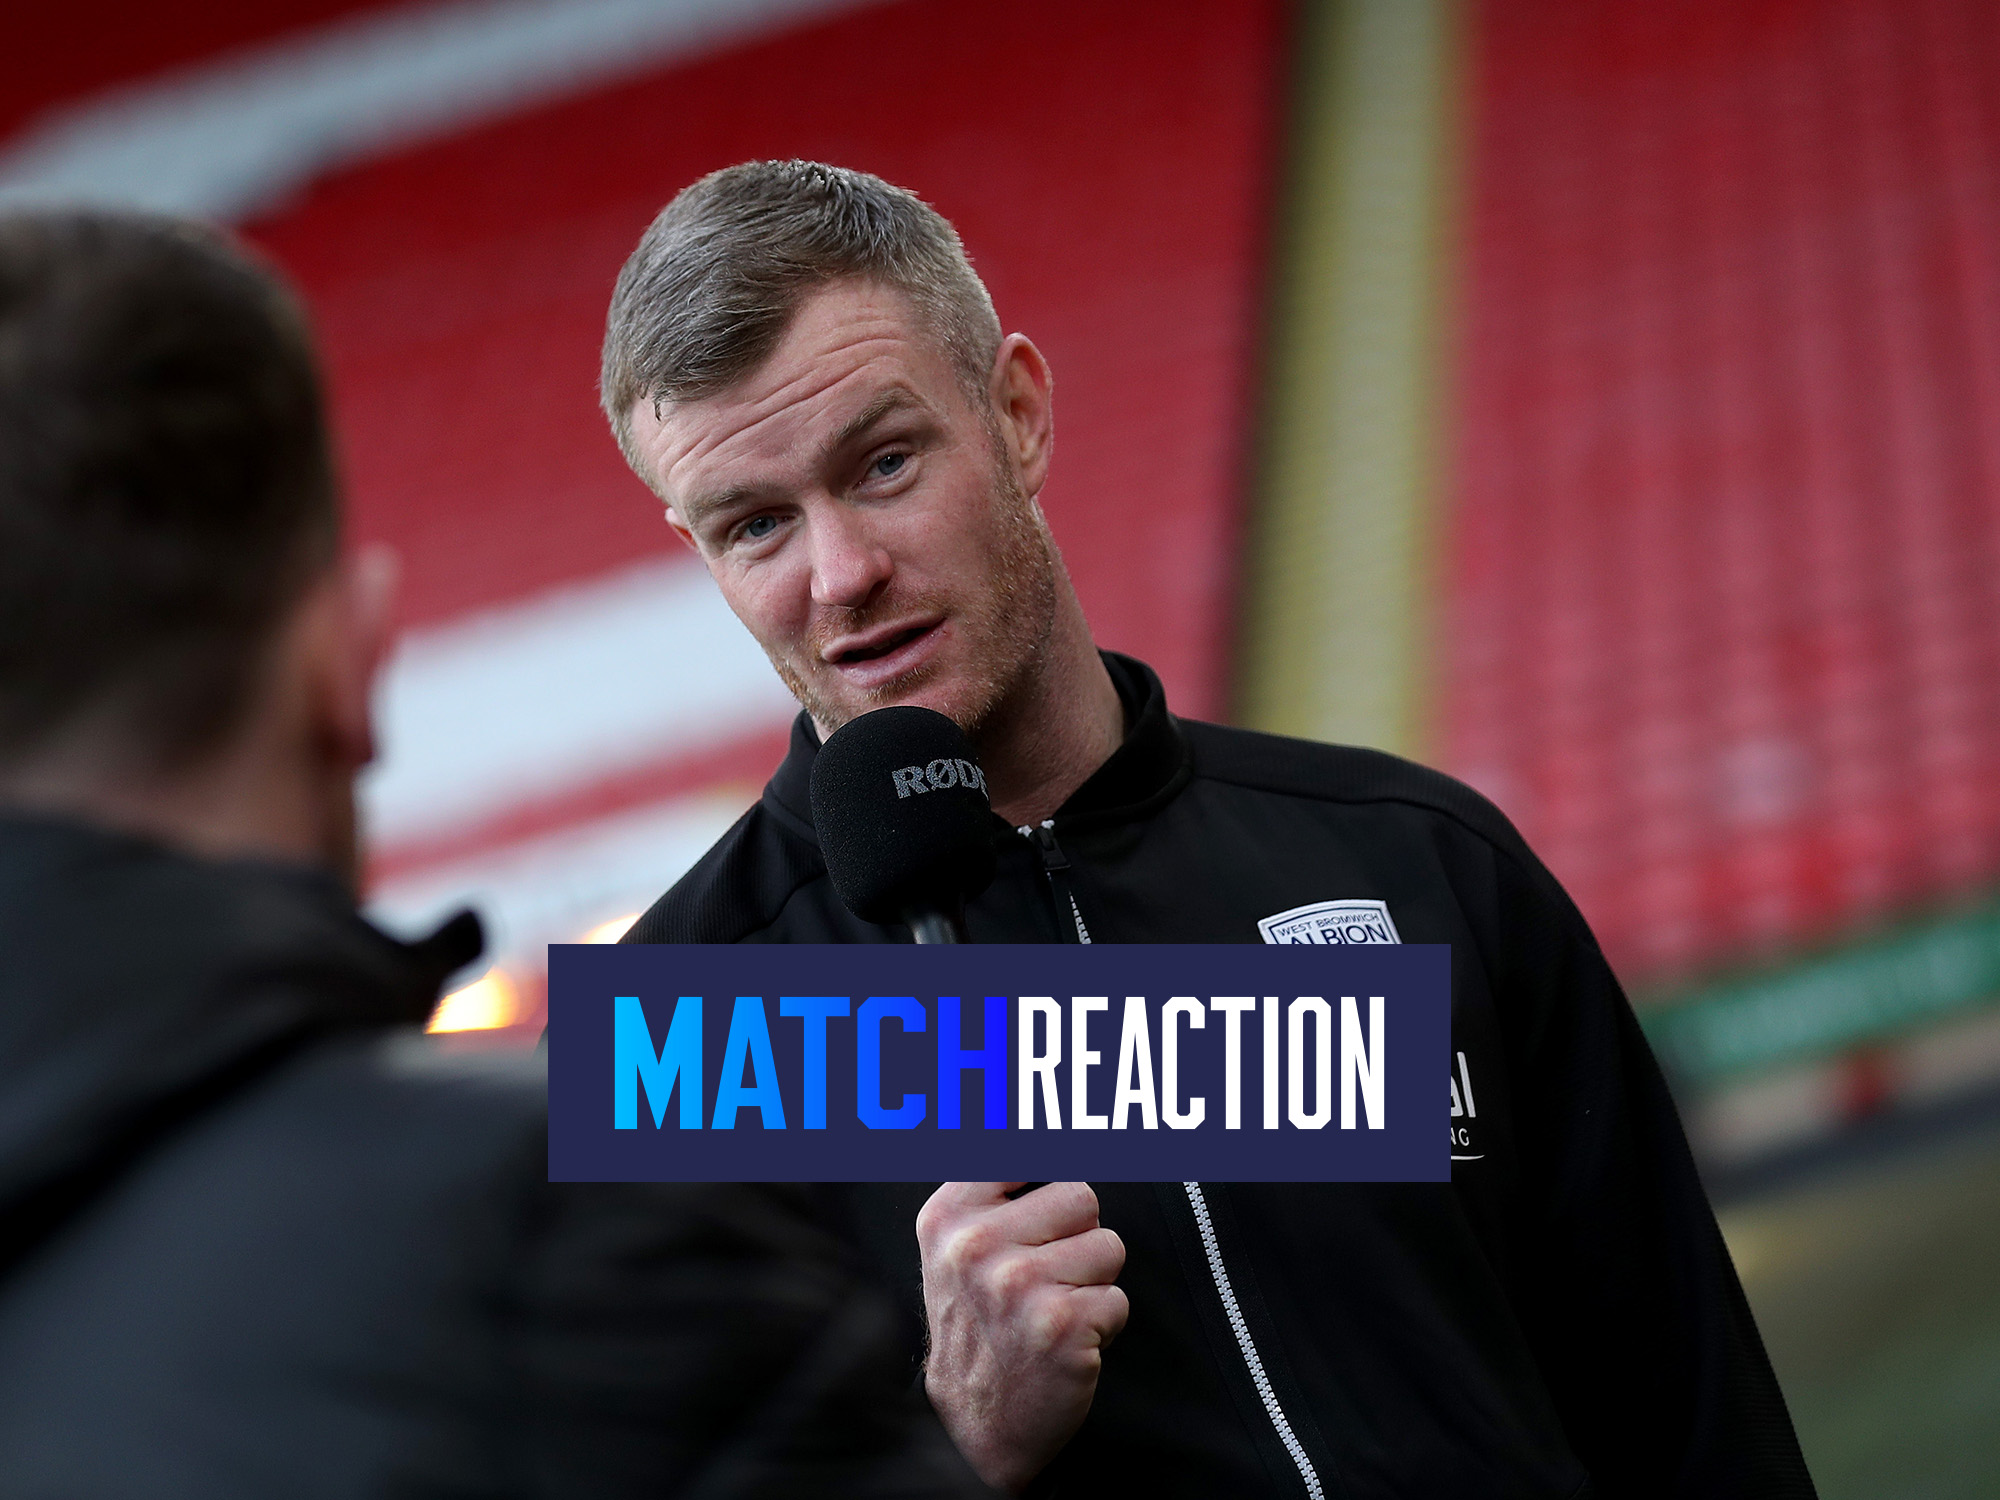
(1134, 1062)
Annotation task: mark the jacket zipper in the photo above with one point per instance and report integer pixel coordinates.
(1055, 865)
(1241, 1328)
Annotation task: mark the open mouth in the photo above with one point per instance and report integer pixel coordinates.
(874, 650)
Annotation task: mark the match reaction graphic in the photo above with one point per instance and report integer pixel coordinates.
(1139, 1062)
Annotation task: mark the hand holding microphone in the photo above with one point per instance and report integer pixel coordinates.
(1018, 1292)
(1020, 1299)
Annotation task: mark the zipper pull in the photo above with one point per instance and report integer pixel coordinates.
(1044, 840)
(1055, 865)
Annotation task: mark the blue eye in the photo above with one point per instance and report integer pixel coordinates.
(758, 527)
(889, 464)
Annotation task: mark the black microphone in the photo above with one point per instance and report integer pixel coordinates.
(904, 824)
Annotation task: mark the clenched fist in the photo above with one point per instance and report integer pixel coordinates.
(1021, 1305)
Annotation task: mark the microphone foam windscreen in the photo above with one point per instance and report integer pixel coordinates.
(900, 805)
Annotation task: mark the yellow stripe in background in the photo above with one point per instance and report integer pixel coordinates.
(1338, 608)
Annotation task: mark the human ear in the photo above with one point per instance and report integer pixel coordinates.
(362, 628)
(331, 657)
(1023, 392)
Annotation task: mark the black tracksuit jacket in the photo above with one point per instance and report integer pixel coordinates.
(1559, 1320)
(260, 1237)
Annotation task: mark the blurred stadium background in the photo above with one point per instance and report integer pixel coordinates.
(1598, 399)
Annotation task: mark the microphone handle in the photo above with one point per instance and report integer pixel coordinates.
(932, 924)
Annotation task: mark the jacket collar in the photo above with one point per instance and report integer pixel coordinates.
(142, 982)
(1142, 774)
(192, 924)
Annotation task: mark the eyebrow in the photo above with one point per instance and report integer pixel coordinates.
(886, 403)
(896, 398)
(699, 509)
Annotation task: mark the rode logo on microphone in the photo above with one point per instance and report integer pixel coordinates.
(937, 776)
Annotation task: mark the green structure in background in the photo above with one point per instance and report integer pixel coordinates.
(1885, 986)
(1336, 638)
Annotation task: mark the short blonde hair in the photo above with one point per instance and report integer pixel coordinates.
(713, 284)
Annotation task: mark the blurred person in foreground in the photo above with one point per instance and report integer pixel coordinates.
(802, 364)
(257, 1236)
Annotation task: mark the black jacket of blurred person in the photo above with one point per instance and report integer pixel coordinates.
(257, 1236)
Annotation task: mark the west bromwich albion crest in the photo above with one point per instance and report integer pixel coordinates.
(1331, 922)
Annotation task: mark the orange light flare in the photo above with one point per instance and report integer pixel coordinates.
(612, 931)
(500, 1000)
(490, 1003)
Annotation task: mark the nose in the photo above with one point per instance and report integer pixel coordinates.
(849, 566)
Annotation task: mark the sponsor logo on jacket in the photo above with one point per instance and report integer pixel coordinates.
(1464, 1110)
(1359, 921)
(1340, 922)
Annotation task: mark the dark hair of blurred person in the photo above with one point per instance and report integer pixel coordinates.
(257, 1236)
(166, 499)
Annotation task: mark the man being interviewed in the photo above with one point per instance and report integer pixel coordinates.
(801, 362)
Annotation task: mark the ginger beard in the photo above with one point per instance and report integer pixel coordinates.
(1002, 630)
